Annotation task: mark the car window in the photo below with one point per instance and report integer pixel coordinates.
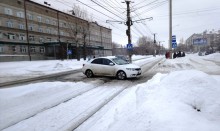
(120, 61)
(97, 61)
(106, 62)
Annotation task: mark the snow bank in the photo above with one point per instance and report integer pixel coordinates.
(22, 102)
(214, 57)
(180, 101)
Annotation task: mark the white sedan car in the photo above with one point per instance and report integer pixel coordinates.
(111, 66)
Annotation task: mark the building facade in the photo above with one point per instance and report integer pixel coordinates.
(212, 37)
(40, 32)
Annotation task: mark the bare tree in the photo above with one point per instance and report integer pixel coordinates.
(146, 46)
(78, 12)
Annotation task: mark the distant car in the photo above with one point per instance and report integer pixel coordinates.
(201, 54)
(111, 66)
(123, 57)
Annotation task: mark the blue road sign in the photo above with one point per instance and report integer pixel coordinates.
(69, 52)
(174, 44)
(173, 38)
(129, 46)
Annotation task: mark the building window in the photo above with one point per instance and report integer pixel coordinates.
(20, 14)
(55, 32)
(42, 50)
(31, 38)
(40, 29)
(61, 24)
(47, 21)
(33, 49)
(22, 37)
(8, 11)
(31, 27)
(23, 49)
(11, 36)
(54, 22)
(49, 39)
(39, 18)
(1, 35)
(41, 40)
(19, 2)
(61, 33)
(21, 26)
(1, 49)
(13, 48)
(48, 31)
(30, 17)
(9, 24)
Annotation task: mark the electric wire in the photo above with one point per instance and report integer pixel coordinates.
(106, 9)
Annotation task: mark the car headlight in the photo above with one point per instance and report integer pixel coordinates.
(131, 69)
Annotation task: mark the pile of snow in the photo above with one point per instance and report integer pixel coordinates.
(182, 100)
(214, 57)
(21, 102)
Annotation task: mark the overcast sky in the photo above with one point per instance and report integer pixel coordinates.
(189, 16)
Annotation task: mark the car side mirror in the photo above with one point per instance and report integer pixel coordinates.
(111, 64)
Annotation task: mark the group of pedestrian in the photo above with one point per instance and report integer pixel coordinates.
(175, 54)
(178, 54)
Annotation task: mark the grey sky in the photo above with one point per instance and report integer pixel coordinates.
(189, 16)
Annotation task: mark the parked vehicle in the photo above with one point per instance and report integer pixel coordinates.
(111, 66)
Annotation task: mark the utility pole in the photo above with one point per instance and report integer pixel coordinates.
(27, 32)
(129, 23)
(128, 31)
(170, 27)
(154, 54)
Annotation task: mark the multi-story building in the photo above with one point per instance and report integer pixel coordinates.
(212, 41)
(38, 31)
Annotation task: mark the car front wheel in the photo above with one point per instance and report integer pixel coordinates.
(121, 75)
(89, 73)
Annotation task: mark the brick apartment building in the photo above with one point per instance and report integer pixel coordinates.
(39, 32)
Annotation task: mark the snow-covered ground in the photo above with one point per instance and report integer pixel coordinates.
(182, 96)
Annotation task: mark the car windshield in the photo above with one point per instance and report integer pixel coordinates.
(120, 61)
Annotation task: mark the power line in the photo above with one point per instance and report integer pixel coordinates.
(106, 9)
(95, 10)
(191, 12)
(109, 5)
(154, 7)
(147, 4)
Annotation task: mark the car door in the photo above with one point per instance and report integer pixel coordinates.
(108, 70)
(96, 66)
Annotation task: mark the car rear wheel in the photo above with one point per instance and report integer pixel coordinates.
(121, 75)
(89, 73)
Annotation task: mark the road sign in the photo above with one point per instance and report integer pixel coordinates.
(69, 52)
(129, 46)
(173, 38)
(174, 44)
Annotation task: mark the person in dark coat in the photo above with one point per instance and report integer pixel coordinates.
(179, 54)
(183, 55)
(174, 55)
